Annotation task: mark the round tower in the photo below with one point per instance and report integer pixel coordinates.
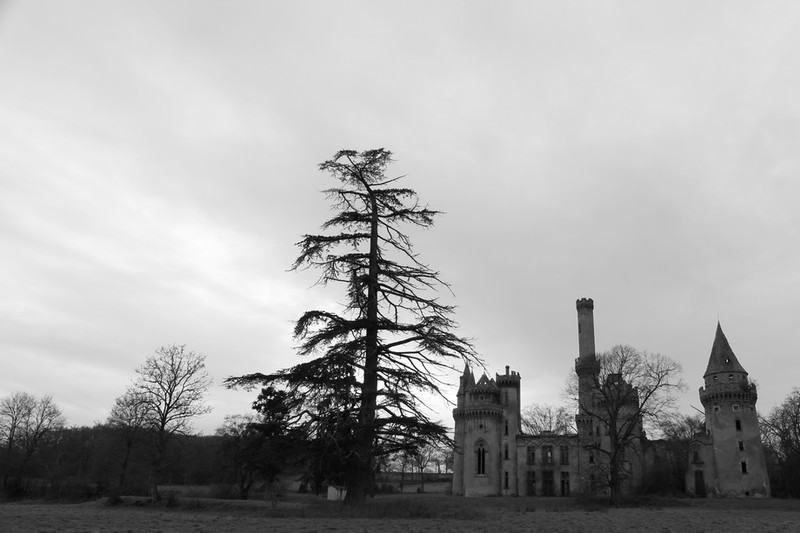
(729, 400)
(510, 428)
(586, 365)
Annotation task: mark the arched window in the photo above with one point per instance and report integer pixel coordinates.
(480, 458)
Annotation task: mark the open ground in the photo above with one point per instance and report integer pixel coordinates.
(401, 513)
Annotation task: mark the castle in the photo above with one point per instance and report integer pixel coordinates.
(494, 457)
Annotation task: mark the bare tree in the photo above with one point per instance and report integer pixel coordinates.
(421, 458)
(26, 422)
(393, 339)
(780, 431)
(547, 418)
(683, 428)
(631, 390)
(171, 388)
(129, 418)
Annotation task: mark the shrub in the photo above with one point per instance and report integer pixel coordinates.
(113, 500)
(171, 501)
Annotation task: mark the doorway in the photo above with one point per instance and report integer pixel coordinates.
(699, 484)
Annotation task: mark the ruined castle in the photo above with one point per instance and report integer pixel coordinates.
(493, 457)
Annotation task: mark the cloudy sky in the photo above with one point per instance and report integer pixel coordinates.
(158, 161)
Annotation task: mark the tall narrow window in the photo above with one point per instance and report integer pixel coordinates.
(741, 446)
(531, 454)
(547, 454)
(505, 451)
(738, 425)
(744, 467)
(480, 459)
(564, 451)
(506, 429)
(565, 483)
(505, 480)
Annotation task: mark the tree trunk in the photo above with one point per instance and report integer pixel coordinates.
(158, 465)
(124, 469)
(360, 471)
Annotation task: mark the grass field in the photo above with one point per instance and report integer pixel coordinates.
(401, 513)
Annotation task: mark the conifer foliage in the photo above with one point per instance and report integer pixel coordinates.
(392, 341)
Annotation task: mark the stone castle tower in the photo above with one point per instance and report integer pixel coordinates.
(587, 367)
(728, 460)
(486, 427)
(592, 418)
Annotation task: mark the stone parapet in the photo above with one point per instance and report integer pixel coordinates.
(744, 392)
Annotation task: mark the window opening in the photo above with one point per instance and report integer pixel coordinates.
(480, 459)
(564, 452)
(547, 454)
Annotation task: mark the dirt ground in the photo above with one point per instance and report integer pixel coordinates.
(486, 515)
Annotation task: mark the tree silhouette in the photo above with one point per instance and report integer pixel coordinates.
(629, 389)
(540, 418)
(392, 340)
(171, 387)
(780, 431)
(26, 422)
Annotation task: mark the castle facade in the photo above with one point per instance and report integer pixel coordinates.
(494, 457)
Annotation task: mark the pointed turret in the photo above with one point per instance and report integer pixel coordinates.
(729, 459)
(722, 359)
(464, 380)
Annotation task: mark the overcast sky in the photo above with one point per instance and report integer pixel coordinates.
(158, 161)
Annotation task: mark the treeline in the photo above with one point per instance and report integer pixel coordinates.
(43, 458)
(88, 462)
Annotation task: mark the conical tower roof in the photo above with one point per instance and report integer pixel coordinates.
(722, 359)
